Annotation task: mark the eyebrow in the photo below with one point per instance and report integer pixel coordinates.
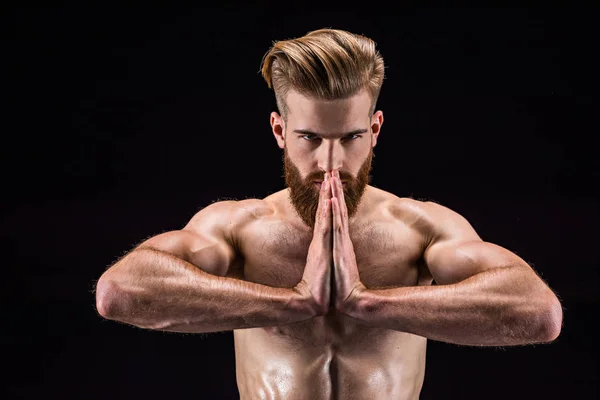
(307, 132)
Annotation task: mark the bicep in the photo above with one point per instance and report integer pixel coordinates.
(203, 242)
(452, 261)
(209, 253)
(456, 252)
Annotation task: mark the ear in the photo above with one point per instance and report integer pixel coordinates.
(278, 127)
(376, 122)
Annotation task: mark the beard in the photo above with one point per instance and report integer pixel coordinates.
(304, 195)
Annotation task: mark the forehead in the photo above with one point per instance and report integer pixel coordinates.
(328, 115)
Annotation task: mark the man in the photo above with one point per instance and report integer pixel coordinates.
(327, 284)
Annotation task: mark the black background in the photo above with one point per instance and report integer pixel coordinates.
(123, 122)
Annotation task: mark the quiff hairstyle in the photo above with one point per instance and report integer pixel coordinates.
(325, 64)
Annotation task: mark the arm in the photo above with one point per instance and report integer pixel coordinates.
(485, 295)
(176, 281)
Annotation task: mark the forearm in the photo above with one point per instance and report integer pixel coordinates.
(154, 290)
(493, 308)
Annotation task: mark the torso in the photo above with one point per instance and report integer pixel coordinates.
(332, 356)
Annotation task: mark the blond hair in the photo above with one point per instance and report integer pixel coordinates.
(326, 64)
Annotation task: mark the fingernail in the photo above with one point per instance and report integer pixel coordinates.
(326, 176)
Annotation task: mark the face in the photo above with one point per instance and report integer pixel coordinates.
(320, 136)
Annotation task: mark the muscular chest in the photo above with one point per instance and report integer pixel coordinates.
(387, 254)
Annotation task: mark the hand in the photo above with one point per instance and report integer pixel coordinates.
(345, 269)
(315, 286)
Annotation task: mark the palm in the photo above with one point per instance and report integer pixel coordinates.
(346, 282)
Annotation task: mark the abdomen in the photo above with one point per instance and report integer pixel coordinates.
(368, 364)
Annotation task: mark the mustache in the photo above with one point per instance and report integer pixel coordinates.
(319, 176)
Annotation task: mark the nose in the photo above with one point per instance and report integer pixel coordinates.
(330, 155)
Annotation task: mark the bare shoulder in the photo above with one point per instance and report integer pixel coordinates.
(227, 217)
(423, 210)
(427, 217)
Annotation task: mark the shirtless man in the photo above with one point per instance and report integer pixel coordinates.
(327, 284)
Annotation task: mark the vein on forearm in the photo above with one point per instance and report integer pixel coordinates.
(490, 308)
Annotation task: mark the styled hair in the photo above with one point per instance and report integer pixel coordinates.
(325, 64)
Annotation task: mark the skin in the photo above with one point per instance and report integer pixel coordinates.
(386, 253)
(373, 345)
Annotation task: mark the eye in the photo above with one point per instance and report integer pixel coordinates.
(311, 138)
(353, 137)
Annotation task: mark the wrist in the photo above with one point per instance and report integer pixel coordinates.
(304, 302)
(356, 303)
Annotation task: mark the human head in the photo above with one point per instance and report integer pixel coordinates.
(325, 64)
(326, 85)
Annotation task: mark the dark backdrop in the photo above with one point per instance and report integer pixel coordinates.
(123, 122)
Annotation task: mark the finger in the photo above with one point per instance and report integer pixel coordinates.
(325, 226)
(341, 197)
(338, 223)
(326, 186)
(338, 193)
(326, 190)
(334, 186)
(323, 218)
(323, 195)
(343, 207)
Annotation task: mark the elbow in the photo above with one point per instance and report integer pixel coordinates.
(106, 295)
(553, 319)
(544, 321)
(114, 303)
